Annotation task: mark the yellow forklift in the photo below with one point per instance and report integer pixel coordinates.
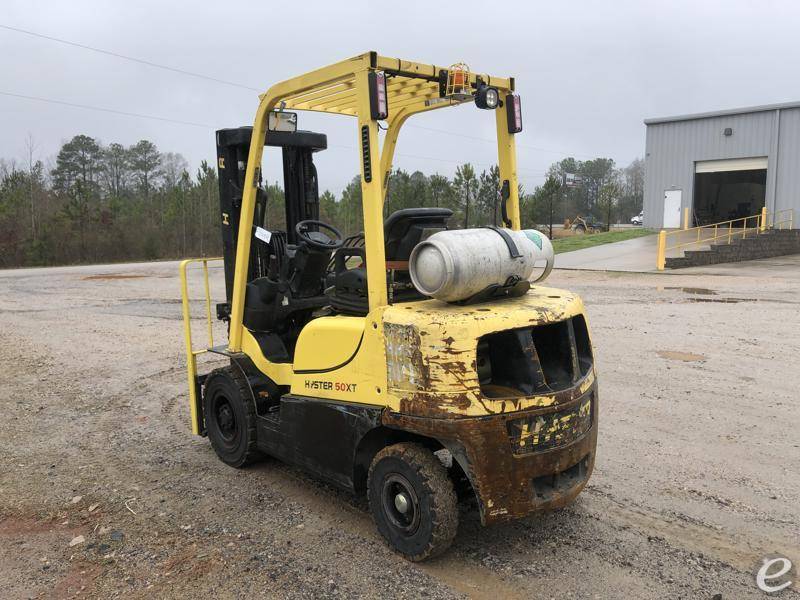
(413, 363)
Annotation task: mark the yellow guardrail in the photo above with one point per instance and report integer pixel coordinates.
(191, 353)
(722, 232)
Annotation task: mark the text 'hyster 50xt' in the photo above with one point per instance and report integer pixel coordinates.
(411, 362)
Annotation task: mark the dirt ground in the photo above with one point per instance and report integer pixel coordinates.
(105, 493)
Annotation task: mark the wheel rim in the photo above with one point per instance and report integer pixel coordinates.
(226, 419)
(400, 503)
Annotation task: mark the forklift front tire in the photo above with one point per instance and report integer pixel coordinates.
(230, 417)
(412, 501)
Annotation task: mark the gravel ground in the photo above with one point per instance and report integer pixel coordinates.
(105, 493)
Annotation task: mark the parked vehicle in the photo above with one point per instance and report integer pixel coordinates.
(638, 219)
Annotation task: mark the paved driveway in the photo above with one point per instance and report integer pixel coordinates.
(636, 255)
(639, 256)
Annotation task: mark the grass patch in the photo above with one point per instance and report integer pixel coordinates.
(579, 242)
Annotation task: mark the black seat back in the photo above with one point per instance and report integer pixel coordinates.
(406, 228)
(403, 230)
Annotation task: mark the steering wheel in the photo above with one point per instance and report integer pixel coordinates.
(317, 239)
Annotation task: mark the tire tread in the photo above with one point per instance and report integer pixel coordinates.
(439, 487)
(251, 454)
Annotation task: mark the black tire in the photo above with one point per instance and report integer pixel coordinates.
(428, 524)
(230, 417)
(580, 230)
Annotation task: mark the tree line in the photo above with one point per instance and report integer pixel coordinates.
(110, 203)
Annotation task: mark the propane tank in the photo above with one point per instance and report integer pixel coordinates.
(455, 265)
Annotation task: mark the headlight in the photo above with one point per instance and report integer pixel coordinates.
(486, 97)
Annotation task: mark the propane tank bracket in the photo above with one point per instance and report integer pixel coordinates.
(512, 288)
(512, 247)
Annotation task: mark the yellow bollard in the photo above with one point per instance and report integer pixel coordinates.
(662, 250)
(763, 218)
(686, 218)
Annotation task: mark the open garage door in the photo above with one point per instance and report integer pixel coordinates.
(729, 189)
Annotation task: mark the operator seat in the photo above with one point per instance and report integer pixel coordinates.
(403, 230)
(406, 228)
(278, 304)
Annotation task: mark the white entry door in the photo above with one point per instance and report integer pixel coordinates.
(672, 209)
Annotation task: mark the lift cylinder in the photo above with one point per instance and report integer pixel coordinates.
(455, 265)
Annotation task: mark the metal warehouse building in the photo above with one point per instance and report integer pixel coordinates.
(722, 165)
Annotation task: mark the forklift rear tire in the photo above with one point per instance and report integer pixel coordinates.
(412, 501)
(230, 417)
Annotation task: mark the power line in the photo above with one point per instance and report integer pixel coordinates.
(207, 126)
(106, 110)
(247, 87)
(141, 61)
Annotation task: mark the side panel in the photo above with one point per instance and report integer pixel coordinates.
(328, 343)
(321, 436)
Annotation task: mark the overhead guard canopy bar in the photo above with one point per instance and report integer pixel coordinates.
(409, 84)
(342, 88)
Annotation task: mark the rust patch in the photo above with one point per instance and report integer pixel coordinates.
(508, 484)
(406, 368)
(113, 276)
(431, 352)
(681, 356)
(433, 404)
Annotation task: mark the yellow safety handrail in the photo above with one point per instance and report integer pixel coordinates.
(191, 353)
(722, 232)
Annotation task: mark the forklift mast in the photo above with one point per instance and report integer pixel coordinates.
(300, 186)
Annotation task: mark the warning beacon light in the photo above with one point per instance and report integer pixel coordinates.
(514, 113)
(378, 99)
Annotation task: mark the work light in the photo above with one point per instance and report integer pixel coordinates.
(486, 97)
(378, 99)
(514, 113)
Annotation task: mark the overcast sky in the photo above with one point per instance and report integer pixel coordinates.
(588, 72)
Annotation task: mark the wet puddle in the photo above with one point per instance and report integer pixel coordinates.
(699, 291)
(681, 356)
(723, 300)
(690, 290)
(695, 291)
(113, 276)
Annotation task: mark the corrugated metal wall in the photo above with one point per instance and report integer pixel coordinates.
(787, 194)
(672, 148)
